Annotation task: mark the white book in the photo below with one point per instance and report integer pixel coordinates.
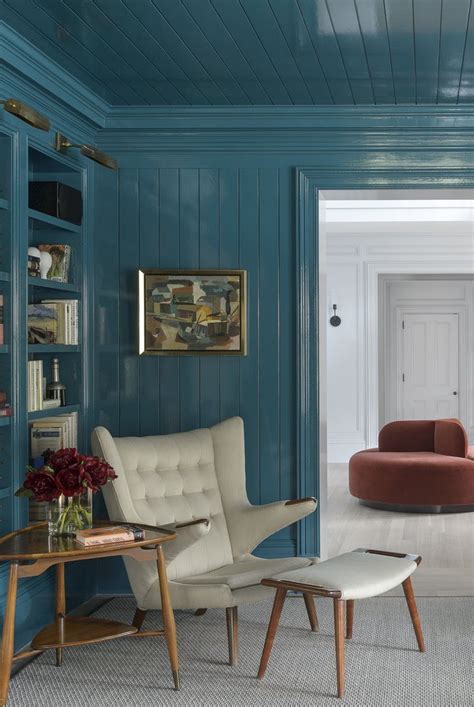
(71, 320)
(43, 438)
(35, 386)
(39, 384)
(30, 387)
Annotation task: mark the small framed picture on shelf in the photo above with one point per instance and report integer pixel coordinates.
(192, 312)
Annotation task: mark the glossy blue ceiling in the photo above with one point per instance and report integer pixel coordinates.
(258, 52)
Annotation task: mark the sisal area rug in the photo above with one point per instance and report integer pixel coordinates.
(383, 665)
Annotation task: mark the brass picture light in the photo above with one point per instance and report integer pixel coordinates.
(26, 113)
(62, 144)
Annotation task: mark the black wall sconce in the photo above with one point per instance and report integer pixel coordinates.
(335, 319)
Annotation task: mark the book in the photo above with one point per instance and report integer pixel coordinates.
(61, 257)
(68, 319)
(109, 534)
(42, 324)
(33, 266)
(35, 385)
(2, 324)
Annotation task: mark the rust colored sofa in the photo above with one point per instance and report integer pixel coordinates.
(423, 466)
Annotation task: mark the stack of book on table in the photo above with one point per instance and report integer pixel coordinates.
(53, 321)
(109, 534)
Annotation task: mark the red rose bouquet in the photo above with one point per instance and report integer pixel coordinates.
(66, 478)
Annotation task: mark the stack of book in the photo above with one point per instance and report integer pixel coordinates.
(54, 321)
(35, 386)
(61, 257)
(110, 534)
(5, 409)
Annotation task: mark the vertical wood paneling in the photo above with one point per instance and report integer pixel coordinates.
(148, 249)
(169, 258)
(189, 378)
(269, 334)
(250, 365)
(129, 261)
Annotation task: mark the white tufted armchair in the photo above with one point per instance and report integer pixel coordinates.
(196, 481)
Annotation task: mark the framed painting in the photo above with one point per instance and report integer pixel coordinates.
(190, 312)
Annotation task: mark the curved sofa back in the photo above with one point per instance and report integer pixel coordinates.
(446, 437)
(407, 436)
(450, 438)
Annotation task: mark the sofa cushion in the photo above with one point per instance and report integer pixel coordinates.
(245, 573)
(470, 453)
(450, 438)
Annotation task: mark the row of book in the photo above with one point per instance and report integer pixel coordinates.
(50, 433)
(37, 399)
(60, 261)
(54, 321)
(5, 409)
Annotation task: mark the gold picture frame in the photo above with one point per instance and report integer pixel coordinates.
(192, 312)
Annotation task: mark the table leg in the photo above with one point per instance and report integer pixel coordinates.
(278, 602)
(168, 616)
(339, 633)
(8, 637)
(60, 605)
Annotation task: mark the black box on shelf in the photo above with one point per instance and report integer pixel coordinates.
(56, 199)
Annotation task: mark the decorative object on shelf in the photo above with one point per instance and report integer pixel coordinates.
(26, 113)
(192, 312)
(67, 481)
(62, 144)
(46, 261)
(60, 255)
(42, 324)
(56, 199)
(56, 390)
(5, 409)
(34, 265)
(335, 319)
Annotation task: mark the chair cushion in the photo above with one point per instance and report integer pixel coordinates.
(450, 438)
(357, 575)
(245, 573)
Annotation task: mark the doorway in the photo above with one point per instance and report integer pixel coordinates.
(394, 242)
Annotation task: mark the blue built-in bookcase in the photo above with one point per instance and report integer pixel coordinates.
(26, 155)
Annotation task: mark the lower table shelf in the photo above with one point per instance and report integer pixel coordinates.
(78, 631)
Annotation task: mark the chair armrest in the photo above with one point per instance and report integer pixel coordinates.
(186, 535)
(256, 523)
(402, 555)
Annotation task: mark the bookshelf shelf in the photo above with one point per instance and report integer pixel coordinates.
(51, 412)
(52, 285)
(4, 349)
(4, 276)
(53, 348)
(5, 421)
(4, 204)
(46, 221)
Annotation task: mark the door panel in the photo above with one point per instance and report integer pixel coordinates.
(429, 376)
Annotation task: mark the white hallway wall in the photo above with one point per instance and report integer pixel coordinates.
(365, 240)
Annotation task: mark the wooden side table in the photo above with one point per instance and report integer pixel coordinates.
(31, 551)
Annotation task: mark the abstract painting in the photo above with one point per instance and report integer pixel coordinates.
(192, 312)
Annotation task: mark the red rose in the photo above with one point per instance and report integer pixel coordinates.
(63, 459)
(97, 472)
(71, 481)
(42, 484)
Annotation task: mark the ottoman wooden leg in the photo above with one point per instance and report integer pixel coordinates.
(311, 609)
(410, 597)
(339, 633)
(349, 617)
(272, 628)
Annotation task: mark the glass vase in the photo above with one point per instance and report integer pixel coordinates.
(68, 515)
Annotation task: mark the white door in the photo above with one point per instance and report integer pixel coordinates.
(429, 359)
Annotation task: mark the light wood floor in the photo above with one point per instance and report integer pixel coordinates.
(445, 541)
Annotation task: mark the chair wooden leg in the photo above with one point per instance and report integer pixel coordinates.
(168, 616)
(8, 637)
(232, 620)
(349, 617)
(272, 629)
(139, 618)
(311, 609)
(60, 606)
(200, 612)
(339, 633)
(410, 597)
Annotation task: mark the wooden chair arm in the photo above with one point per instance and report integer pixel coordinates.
(295, 501)
(414, 558)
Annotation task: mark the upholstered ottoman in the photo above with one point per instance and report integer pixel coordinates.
(355, 575)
